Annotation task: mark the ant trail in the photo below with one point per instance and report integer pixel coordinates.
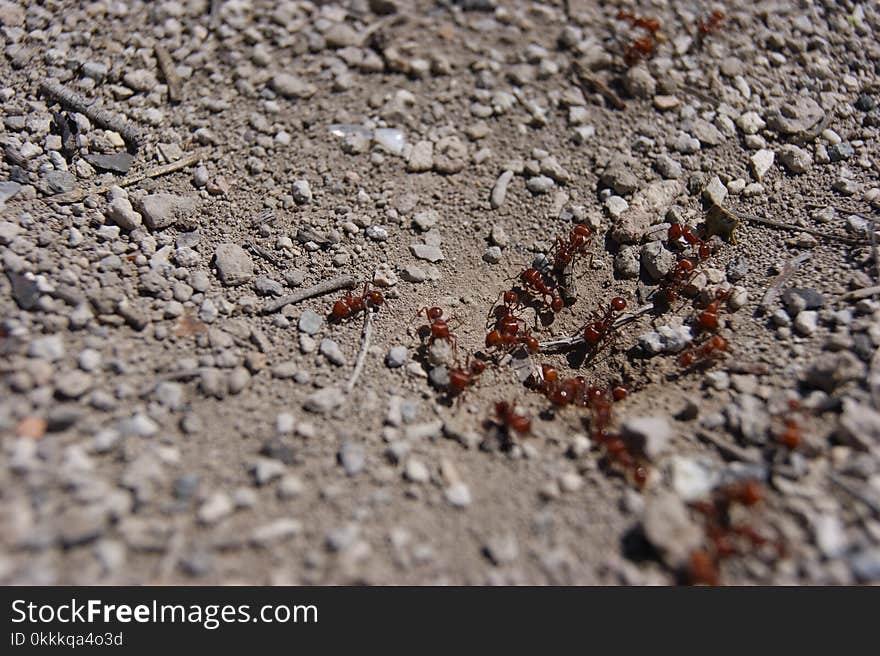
(324, 287)
(568, 342)
(365, 346)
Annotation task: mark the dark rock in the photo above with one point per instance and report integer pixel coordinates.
(117, 162)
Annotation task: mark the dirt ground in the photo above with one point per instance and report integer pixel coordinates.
(165, 418)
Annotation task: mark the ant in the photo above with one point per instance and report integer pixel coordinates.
(617, 451)
(601, 325)
(349, 305)
(679, 233)
(462, 378)
(506, 319)
(652, 25)
(565, 251)
(790, 436)
(534, 282)
(438, 328)
(643, 47)
(708, 318)
(561, 392)
(712, 24)
(722, 532)
(682, 235)
(714, 348)
(507, 340)
(509, 417)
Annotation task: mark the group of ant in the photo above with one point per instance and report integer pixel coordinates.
(643, 47)
(725, 536)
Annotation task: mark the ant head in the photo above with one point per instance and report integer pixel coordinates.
(557, 304)
(618, 304)
(510, 297)
(434, 313)
(375, 297)
(493, 338)
(477, 366)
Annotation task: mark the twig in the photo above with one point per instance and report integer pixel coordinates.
(864, 292)
(786, 273)
(172, 79)
(100, 116)
(258, 250)
(782, 225)
(585, 78)
(729, 449)
(574, 340)
(325, 287)
(165, 169)
(365, 346)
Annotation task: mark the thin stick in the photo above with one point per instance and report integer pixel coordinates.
(91, 108)
(165, 169)
(575, 340)
(857, 294)
(362, 354)
(587, 79)
(729, 449)
(172, 79)
(325, 287)
(786, 273)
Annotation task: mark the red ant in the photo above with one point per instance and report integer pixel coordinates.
(506, 320)
(790, 436)
(438, 327)
(713, 348)
(618, 452)
(506, 340)
(561, 392)
(534, 282)
(601, 325)
(462, 378)
(652, 25)
(683, 233)
(711, 24)
(509, 417)
(708, 318)
(349, 305)
(643, 47)
(566, 251)
(683, 270)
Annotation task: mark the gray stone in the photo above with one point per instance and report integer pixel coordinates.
(216, 507)
(840, 152)
(715, 191)
(301, 192)
(416, 471)
(670, 529)
(50, 347)
(275, 531)
(748, 416)
(330, 350)
(795, 159)
(396, 357)
(859, 426)
(650, 434)
(639, 82)
(458, 494)
(427, 252)
(265, 286)
(234, 265)
(795, 116)
(540, 184)
(626, 262)
(761, 162)
(310, 322)
(492, 255)
(706, 133)
(646, 206)
(59, 182)
(656, 260)
(865, 565)
(499, 191)
(421, 158)
(291, 86)
(829, 371)
(426, 219)
(163, 210)
(73, 384)
(668, 167)
(324, 400)
(692, 479)
(619, 176)
(120, 212)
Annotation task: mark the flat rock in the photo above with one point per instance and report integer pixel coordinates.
(795, 116)
(234, 265)
(116, 163)
(668, 526)
(292, 86)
